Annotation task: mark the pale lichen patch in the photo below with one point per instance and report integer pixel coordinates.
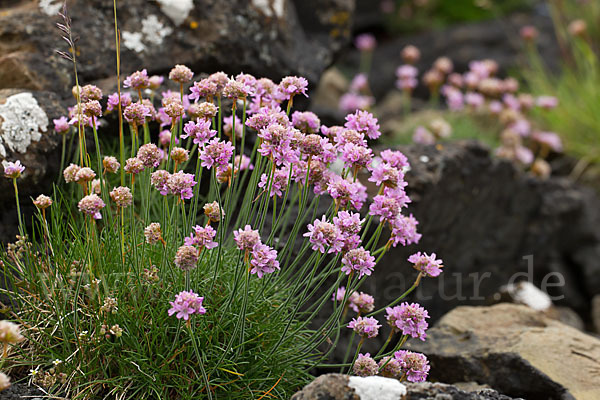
(176, 10)
(23, 122)
(153, 34)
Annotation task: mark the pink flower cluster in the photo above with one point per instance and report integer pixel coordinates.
(263, 259)
(410, 319)
(366, 327)
(414, 366)
(202, 237)
(186, 304)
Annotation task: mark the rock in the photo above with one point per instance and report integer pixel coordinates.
(527, 294)
(263, 37)
(514, 349)
(26, 134)
(342, 387)
(441, 391)
(492, 225)
(596, 313)
(20, 391)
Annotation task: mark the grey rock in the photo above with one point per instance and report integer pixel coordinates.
(249, 36)
(491, 224)
(596, 313)
(514, 349)
(335, 387)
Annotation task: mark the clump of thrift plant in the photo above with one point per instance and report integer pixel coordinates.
(193, 263)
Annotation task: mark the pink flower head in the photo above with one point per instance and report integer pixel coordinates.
(278, 184)
(133, 165)
(204, 88)
(122, 196)
(180, 184)
(306, 121)
(349, 223)
(387, 208)
(387, 175)
(324, 234)
(390, 367)
(362, 303)
(404, 231)
(61, 125)
(202, 236)
(293, 85)
(395, 158)
(186, 257)
(355, 155)
(113, 101)
(237, 90)
(365, 365)
(91, 205)
(414, 365)
(264, 260)
(351, 102)
(358, 260)
(149, 155)
(216, 153)
(405, 72)
(164, 137)
(155, 81)
(366, 327)
(339, 294)
(200, 131)
(549, 139)
(181, 74)
(228, 127)
(423, 136)
(159, 180)
(363, 122)
(344, 136)
(246, 238)
(13, 170)
(365, 42)
(428, 265)
(359, 82)
(474, 100)
(138, 80)
(346, 192)
(186, 304)
(136, 114)
(547, 102)
(410, 319)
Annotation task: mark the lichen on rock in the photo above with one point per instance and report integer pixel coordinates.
(23, 121)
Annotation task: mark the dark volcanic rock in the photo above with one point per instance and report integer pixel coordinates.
(267, 38)
(22, 137)
(514, 349)
(492, 224)
(19, 391)
(341, 387)
(441, 391)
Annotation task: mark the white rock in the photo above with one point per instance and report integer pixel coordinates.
(177, 10)
(23, 120)
(377, 388)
